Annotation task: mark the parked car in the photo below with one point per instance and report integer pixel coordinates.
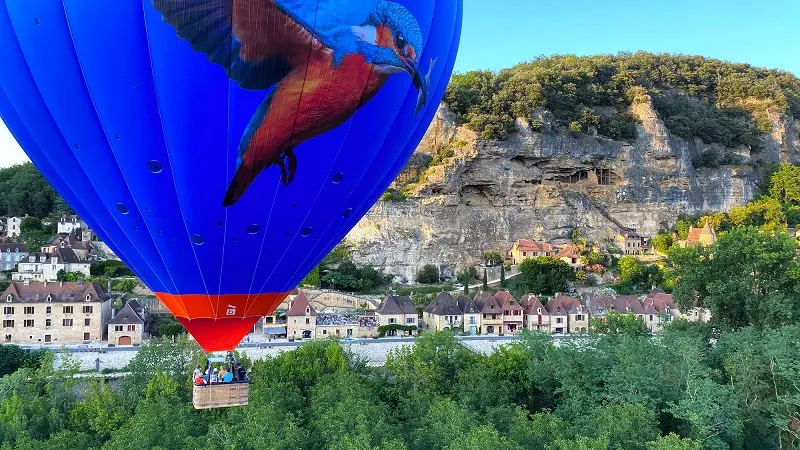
(458, 286)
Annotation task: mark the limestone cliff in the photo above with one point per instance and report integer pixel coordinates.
(490, 193)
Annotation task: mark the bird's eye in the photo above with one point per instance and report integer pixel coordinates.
(400, 41)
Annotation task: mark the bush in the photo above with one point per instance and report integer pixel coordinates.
(429, 274)
(395, 326)
(393, 195)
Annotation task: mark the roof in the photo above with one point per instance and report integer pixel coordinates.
(562, 305)
(531, 304)
(570, 251)
(439, 304)
(466, 305)
(13, 247)
(693, 238)
(126, 315)
(527, 245)
(62, 292)
(64, 255)
(487, 304)
(396, 304)
(299, 305)
(507, 301)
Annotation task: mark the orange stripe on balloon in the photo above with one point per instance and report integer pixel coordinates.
(223, 322)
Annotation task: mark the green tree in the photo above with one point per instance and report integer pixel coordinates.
(30, 224)
(26, 192)
(123, 285)
(312, 279)
(493, 259)
(662, 242)
(100, 411)
(429, 274)
(673, 442)
(544, 275)
(747, 277)
(615, 323)
(785, 184)
(502, 276)
(485, 280)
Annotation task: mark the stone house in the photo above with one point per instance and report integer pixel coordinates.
(12, 226)
(567, 315)
(130, 326)
(491, 313)
(570, 255)
(525, 249)
(513, 314)
(301, 319)
(536, 316)
(68, 224)
(400, 310)
(54, 312)
(339, 325)
(472, 315)
(700, 236)
(443, 313)
(632, 243)
(82, 249)
(45, 266)
(11, 254)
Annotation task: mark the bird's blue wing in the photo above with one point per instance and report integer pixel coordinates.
(321, 16)
(208, 26)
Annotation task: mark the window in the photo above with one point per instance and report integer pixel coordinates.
(559, 320)
(117, 327)
(324, 331)
(410, 320)
(86, 336)
(27, 323)
(8, 338)
(48, 322)
(131, 327)
(68, 310)
(29, 310)
(49, 298)
(308, 320)
(67, 322)
(651, 317)
(88, 297)
(579, 317)
(392, 321)
(87, 322)
(8, 310)
(88, 309)
(8, 324)
(48, 310)
(9, 299)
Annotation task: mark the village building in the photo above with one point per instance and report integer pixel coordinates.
(340, 325)
(526, 249)
(632, 243)
(130, 326)
(81, 248)
(397, 310)
(705, 236)
(11, 254)
(41, 266)
(570, 255)
(444, 313)
(69, 224)
(513, 313)
(567, 315)
(536, 316)
(301, 319)
(13, 226)
(54, 312)
(491, 313)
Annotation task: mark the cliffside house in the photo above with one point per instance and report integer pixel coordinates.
(11, 254)
(570, 255)
(81, 248)
(632, 243)
(524, 249)
(536, 316)
(301, 319)
(45, 312)
(69, 224)
(399, 310)
(41, 266)
(513, 313)
(700, 236)
(491, 313)
(130, 326)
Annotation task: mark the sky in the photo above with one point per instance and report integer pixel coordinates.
(500, 33)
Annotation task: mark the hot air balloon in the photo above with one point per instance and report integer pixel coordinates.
(222, 147)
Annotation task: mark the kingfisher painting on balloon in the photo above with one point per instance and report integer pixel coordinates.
(223, 147)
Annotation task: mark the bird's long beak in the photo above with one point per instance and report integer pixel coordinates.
(420, 82)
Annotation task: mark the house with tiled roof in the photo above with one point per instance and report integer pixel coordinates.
(130, 326)
(397, 310)
(11, 254)
(301, 318)
(525, 249)
(82, 249)
(41, 266)
(567, 315)
(571, 255)
(491, 313)
(472, 315)
(513, 316)
(54, 312)
(632, 243)
(704, 236)
(446, 313)
(536, 317)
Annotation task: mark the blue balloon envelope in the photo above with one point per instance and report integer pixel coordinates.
(222, 147)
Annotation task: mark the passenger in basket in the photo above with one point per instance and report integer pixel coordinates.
(228, 377)
(214, 376)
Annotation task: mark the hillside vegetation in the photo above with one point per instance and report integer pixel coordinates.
(716, 101)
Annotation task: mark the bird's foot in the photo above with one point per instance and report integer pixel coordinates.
(288, 164)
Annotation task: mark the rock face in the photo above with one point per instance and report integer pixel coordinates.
(490, 193)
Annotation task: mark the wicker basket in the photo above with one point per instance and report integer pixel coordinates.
(221, 395)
